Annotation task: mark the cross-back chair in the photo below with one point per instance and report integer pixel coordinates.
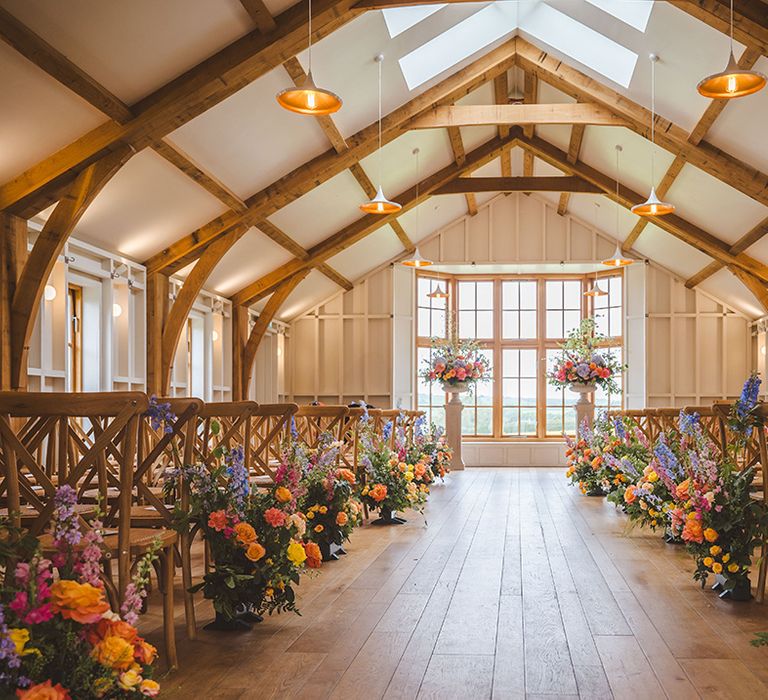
(314, 421)
(235, 420)
(271, 426)
(87, 441)
(391, 415)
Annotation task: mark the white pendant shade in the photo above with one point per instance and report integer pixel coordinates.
(416, 260)
(380, 204)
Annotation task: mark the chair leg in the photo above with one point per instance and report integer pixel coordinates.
(185, 544)
(761, 576)
(169, 630)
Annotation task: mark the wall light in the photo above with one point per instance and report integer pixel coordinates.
(117, 310)
(50, 292)
(215, 336)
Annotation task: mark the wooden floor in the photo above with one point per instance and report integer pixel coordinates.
(518, 587)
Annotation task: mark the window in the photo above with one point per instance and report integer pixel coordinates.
(520, 323)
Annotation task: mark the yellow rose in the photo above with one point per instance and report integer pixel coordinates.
(20, 639)
(714, 550)
(708, 561)
(296, 553)
(717, 567)
(409, 476)
(652, 476)
(128, 680)
(726, 558)
(323, 509)
(114, 652)
(310, 515)
(319, 528)
(282, 494)
(710, 535)
(733, 568)
(149, 688)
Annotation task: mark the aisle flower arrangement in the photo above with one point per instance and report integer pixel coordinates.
(583, 360)
(585, 461)
(456, 364)
(58, 637)
(256, 548)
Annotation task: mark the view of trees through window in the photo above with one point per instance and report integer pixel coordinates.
(520, 322)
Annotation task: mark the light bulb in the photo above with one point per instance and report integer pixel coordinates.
(117, 310)
(50, 292)
(731, 87)
(311, 104)
(215, 336)
(762, 350)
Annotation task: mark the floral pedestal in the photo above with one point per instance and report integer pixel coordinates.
(453, 410)
(585, 407)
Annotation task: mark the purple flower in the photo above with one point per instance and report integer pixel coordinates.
(582, 369)
(160, 415)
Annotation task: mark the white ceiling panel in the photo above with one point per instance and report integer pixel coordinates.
(251, 257)
(709, 204)
(368, 254)
(146, 206)
(28, 133)
(323, 211)
(671, 252)
(311, 291)
(725, 286)
(133, 48)
(248, 141)
(434, 214)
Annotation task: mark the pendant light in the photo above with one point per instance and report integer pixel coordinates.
(380, 204)
(595, 290)
(416, 260)
(307, 98)
(733, 81)
(438, 292)
(618, 259)
(653, 206)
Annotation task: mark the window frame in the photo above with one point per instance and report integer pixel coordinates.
(540, 343)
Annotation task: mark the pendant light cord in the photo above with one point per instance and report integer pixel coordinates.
(653, 121)
(309, 43)
(616, 232)
(731, 27)
(378, 159)
(418, 182)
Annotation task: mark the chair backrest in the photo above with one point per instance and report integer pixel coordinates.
(350, 450)
(713, 424)
(235, 421)
(390, 415)
(313, 421)
(271, 427)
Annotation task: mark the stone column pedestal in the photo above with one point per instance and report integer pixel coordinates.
(453, 410)
(585, 406)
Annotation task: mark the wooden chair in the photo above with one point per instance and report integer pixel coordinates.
(271, 427)
(314, 421)
(235, 426)
(391, 415)
(760, 436)
(87, 441)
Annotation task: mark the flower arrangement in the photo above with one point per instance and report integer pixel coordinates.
(456, 364)
(584, 361)
(256, 547)
(58, 637)
(585, 460)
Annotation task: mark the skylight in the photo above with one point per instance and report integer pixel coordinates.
(400, 19)
(635, 13)
(540, 21)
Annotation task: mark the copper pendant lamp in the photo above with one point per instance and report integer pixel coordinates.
(416, 260)
(653, 206)
(618, 259)
(733, 81)
(380, 204)
(307, 98)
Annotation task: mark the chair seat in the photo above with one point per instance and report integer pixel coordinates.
(141, 540)
(262, 480)
(147, 516)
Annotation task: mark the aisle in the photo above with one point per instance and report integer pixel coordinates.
(518, 587)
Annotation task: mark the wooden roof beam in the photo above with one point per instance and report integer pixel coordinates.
(260, 15)
(530, 95)
(463, 185)
(746, 241)
(460, 157)
(673, 224)
(325, 166)
(673, 138)
(574, 149)
(711, 113)
(181, 100)
(369, 223)
(524, 115)
(501, 97)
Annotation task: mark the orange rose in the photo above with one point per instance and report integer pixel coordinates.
(255, 551)
(117, 628)
(420, 470)
(144, 652)
(114, 652)
(378, 493)
(314, 557)
(629, 495)
(341, 518)
(692, 531)
(44, 691)
(710, 535)
(245, 533)
(282, 494)
(346, 475)
(681, 491)
(80, 602)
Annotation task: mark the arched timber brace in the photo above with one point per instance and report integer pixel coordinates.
(166, 324)
(245, 355)
(37, 267)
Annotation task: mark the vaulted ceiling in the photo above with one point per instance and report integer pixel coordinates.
(225, 183)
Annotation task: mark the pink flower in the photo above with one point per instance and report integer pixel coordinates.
(40, 614)
(20, 603)
(275, 517)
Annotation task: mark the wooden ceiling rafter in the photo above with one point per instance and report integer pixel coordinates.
(705, 156)
(567, 183)
(711, 113)
(460, 157)
(529, 115)
(179, 101)
(574, 149)
(672, 223)
(320, 169)
(369, 223)
(530, 95)
(501, 97)
(260, 15)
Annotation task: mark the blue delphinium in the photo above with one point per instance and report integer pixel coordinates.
(688, 423)
(387, 430)
(160, 415)
(239, 486)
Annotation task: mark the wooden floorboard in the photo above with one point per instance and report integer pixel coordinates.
(513, 585)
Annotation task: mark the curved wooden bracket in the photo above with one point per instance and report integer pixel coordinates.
(48, 246)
